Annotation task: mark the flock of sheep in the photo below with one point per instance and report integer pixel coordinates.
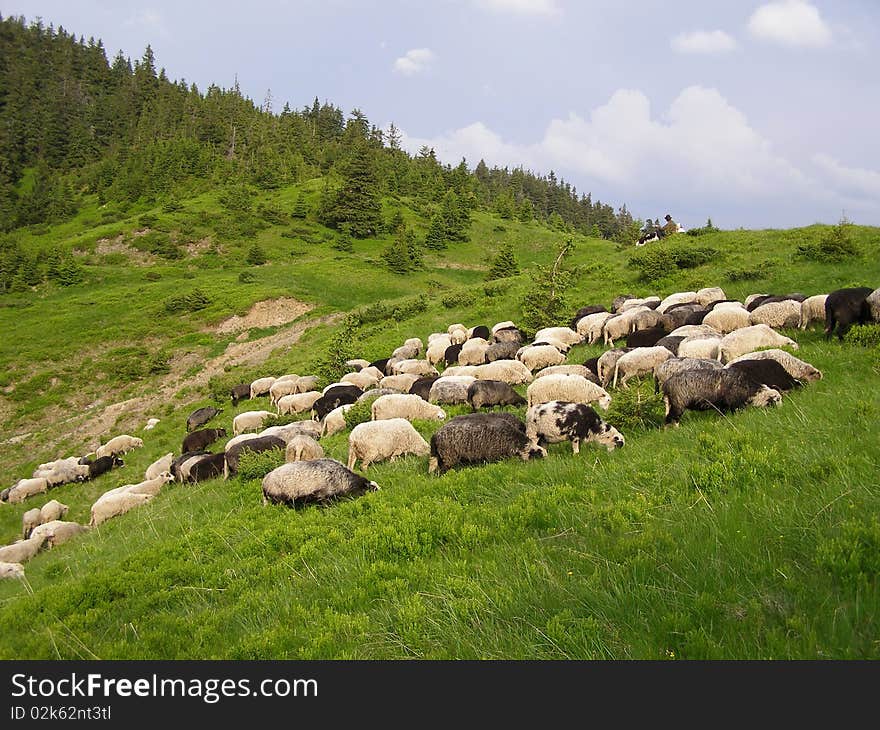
(703, 351)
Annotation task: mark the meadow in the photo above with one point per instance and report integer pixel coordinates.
(748, 536)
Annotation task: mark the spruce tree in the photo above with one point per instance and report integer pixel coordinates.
(435, 239)
(357, 203)
(526, 212)
(300, 207)
(504, 264)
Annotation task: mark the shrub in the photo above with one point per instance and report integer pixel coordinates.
(866, 335)
(834, 246)
(256, 464)
(191, 302)
(255, 256)
(708, 228)
(504, 264)
(273, 214)
(147, 220)
(663, 259)
(152, 276)
(172, 206)
(247, 277)
(459, 298)
(636, 408)
(745, 274)
(359, 413)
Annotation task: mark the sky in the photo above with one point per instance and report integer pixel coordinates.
(756, 114)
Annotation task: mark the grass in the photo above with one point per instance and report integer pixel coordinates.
(753, 535)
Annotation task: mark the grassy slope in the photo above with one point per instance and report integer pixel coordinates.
(748, 536)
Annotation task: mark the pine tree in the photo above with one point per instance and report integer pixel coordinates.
(357, 201)
(504, 264)
(435, 239)
(545, 303)
(526, 212)
(255, 256)
(300, 207)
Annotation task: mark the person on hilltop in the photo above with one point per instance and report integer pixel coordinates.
(669, 228)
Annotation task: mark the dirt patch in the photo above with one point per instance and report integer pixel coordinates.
(105, 246)
(197, 248)
(269, 313)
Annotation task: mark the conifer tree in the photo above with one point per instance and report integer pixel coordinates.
(504, 264)
(357, 203)
(435, 239)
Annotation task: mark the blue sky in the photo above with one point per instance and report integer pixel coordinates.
(758, 114)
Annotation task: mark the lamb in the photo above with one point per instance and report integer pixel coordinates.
(590, 327)
(640, 361)
(556, 421)
(711, 294)
(114, 505)
(23, 550)
(541, 356)
(490, 393)
(25, 488)
(303, 448)
(414, 367)
(160, 465)
(249, 421)
(777, 314)
(751, 338)
(473, 352)
(798, 369)
(384, 440)
(724, 390)
(11, 570)
(813, 310)
(727, 319)
(572, 388)
(511, 372)
(565, 334)
(406, 406)
(699, 346)
(581, 370)
(450, 389)
(261, 386)
(201, 439)
(401, 382)
(767, 372)
(302, 482)
(362, 380)
(479, 438)
(296, 403)
(57, 532)
(665, 370)
(256, 445)
(119, 445)
(334, 422)
(197, 418)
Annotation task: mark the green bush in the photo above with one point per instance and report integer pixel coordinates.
(152, 276)
(247, 277)
(660, 260)
(256, 256)
(834, 246)
(190, 302)
(636, 408)
(255, 465)
(359, 413)
(273, 214)
(172, 206)
(866, 335)
(459, 298)
(147, 220)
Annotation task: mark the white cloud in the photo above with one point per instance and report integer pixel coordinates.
(855, 181)
(522, 7)
(703, 41)
(414, 61)
(790, 23)
(151, 20)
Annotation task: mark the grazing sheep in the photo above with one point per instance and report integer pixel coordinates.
(25, 488)
(437, 348)
(335, 397)
(591, 326)
(11, 570)
(511, 372)
(381, 366)
(151, 424)
(621, 325)
(406, 352)
(677, 298)
(767, 372)
(458, 336)
(383, 441)
(459, 370)
(480, 331)
(113, 505)
(585, 312)
(23, 550)
(699, 346)
(480, 438)
(473, 352)
(506, 324)
(303, 448)
(206, 466)
(52, 510)
(414, 367)
(696, 316)
(675, 365)
(261, 386)
(846, 307)
(812, 310)
(298, 402)
(29, 520)
(491, 393)
(240, 392)
(371, 395)
(401, 382)
(646, 319)
(57, 532)
(373, 372)
(798, 369)
(298, 428)
(565, 334)
(605, 365)
(556, 421)
(338, 384)
(196, 419)
(286, 385)
(620, 300)
(727, 319)
(180, 466)
(751, 338)
(679, 314)
(873, 300)
(450, 389)
(249, 421)
(711, 294)
(422, 387)
(689, 330)
(582, 370)
(646, 337)
(201, 439)
(640, 361)
(309, 382)
(507, 334)
(362, 380)
(415, 342)
(119, 445)
(255, 445)
(450, 357)
(650, 302)
(334, 422)
(751, 298)
(158, 466)
(457, 326)
(357, 364)
(540, 356)
(302, 482)
(65, 472)
(572, 388)
(724, 390)
(150, 486)
(102, 465)
(406, 406)
(777, 314)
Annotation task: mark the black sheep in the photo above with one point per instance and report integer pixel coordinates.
(767, 372)
(422, 387)
(103, 465)
(240, 392)
(846, 307)
(200, 417)
(336, 396)
(198, 440)
(490, 393)
(724, 390)
(254, 445)
(479, 438)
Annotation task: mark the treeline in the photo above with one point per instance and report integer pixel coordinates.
(73, 122)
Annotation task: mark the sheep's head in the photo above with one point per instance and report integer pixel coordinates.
(766, 397)
(610, 437)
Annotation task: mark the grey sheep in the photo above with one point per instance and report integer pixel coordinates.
(303, 482)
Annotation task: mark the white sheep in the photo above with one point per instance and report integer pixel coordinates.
(303, 448)
(512, 372)
(699, 347)
(261, 386)
(362, 380)
(334, 422)
(113, 505)
(457, 326)
(384, 440)
(297, 403)
(150, 486)
(412, 366)
(450, 389)
(563, 334)
(590, 326)
(406, 406)
(473, 351)
(11, 570)
(25, 488)
(249, 421)
(437, 349)
(638, 302)
(689, 330)
(289, 430)
(406, 352)
(727, 319)
(605, 365)
(581, 370)
(677, 298)
(52, 510)
(751, 338)
(639, 361)
(158, 466)
(286, 385)
(786, 313)
(57, 532)
(506, 324)
(119, 445)
(414, 342)
(357, 363)
(565, 387)
(457, 370)
(401, 382)
(151, 424)
(621, 325)
(66, 473)
(812, 310)
(374, 372)
(51, 466)
(30, 520)
(22, 550)
(752, 297)
(711, 294)
(797, 368)
(535, 357)
(458, 336)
